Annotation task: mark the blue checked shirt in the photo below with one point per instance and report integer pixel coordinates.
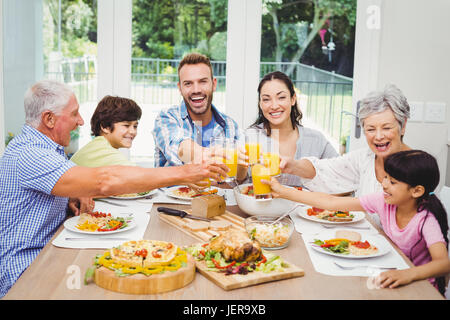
(29, 215)
(173, 125)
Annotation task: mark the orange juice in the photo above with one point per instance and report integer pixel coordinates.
(252, 150)
(260, 172)
(231, 162)
(207, 181)
(272, 161)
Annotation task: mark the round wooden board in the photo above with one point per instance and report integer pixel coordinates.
(142, 284)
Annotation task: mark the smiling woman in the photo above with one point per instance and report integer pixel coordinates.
(383, 116)
(279, 120)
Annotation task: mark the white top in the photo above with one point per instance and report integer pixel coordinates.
(353, 171)
(310, 143)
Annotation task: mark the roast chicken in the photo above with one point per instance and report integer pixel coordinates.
(237, 246)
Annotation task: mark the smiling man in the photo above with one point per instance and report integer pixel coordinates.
(37, 179)
(185, 130)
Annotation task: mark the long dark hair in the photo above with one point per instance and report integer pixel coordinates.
(296, 115)
(416, 167)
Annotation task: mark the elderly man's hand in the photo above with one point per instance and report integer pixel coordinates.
(81, 205)
(194, 173)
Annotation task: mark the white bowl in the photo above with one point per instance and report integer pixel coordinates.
(253, 207)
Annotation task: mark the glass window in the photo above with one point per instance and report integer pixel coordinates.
(163, 31)
(70, 55)
(313, 43)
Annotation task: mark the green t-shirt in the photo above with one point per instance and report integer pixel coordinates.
(99, 153)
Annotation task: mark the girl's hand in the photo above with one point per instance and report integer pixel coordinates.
(395, 278)
(276, 187)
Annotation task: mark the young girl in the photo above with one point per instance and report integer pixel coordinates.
(114, 125)
(410, 213)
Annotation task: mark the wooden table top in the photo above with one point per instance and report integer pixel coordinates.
(53, 275)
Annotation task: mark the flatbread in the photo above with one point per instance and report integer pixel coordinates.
(144, 253)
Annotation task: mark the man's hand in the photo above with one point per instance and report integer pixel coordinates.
(194, 173)
(81, 205)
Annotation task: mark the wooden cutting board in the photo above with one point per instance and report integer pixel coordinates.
(237, 222)
(234, 281)
(237, 281)
(142, 284)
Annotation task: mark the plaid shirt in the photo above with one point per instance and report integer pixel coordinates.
(29, 214)
(173, 125)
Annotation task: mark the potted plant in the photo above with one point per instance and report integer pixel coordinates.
(74, 139)
(343, 145)
(8, 138)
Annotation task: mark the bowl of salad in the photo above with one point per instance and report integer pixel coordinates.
(249, 204)
(271, 236)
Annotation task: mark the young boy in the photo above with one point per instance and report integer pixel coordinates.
(114, 125)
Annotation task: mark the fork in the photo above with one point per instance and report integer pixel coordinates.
(362, 266)
(327, 226)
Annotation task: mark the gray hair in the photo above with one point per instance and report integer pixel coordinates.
(391, 97)
(45, 95)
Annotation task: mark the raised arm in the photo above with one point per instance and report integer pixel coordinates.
(302, 167)
(315, 199)
(112, 180)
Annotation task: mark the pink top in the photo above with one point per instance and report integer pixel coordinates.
(407, 237)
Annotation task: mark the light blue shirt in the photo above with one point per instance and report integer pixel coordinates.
(29, 214)
(173, 125)
(207, 132)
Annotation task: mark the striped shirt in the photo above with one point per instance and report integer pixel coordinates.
(29, 215)
(173, 125)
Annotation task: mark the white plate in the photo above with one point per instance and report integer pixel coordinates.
(169, 192)
(383, 248)
(71, 223)
(303, 212)
(135, 197)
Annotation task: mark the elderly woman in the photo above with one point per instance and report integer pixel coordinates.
(279, 121)
(383, 116)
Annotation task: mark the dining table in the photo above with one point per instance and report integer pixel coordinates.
(57, 273)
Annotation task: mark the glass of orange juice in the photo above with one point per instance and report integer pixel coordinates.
(260, 172)
(226, 152)
(272, 161)
(252, 146)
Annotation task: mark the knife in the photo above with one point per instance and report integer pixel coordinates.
(94, 239)
(110, 202)
(180, 213)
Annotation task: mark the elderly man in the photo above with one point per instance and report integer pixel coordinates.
(184, 131)
(36, 178)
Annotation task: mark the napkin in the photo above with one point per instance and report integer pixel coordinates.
(105, 241)
(305, 226)
(324, 263)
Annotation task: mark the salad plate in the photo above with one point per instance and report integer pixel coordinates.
(72, 224)
(305, 213)
(133, 196)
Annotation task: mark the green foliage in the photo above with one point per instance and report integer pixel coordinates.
(78, 27)
(290, 26)
(8, 138)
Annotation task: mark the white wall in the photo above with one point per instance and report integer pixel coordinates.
(2, 113)
(410, 49)
(243, 57)
(22, 56)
